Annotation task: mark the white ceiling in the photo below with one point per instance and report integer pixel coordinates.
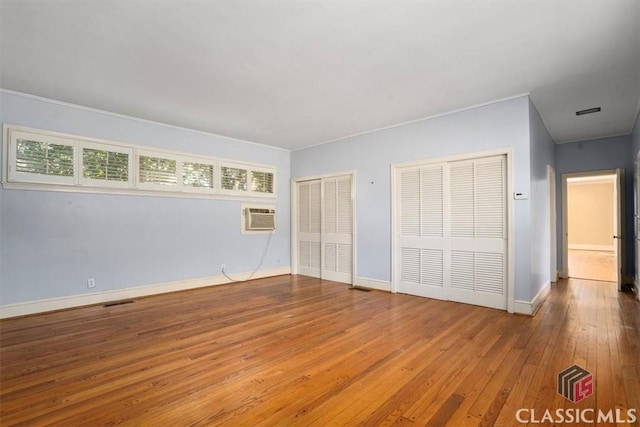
(297, 73)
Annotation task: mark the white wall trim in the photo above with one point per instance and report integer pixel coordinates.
(51, 304)
(135, 119)
(381, 285)
(408, 122)
(530, 307)
(553, 224)
(595, 138)
(585, 247)
(471, 155)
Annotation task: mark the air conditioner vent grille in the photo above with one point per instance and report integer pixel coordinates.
(259, 219)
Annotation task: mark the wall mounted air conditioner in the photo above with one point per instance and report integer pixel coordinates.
(259, 219)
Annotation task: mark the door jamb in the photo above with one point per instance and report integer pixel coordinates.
(565, 215)
(553, 224)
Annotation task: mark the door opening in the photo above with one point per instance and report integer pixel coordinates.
(592, 221)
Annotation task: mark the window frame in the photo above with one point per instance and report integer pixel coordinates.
(199, 160)
(249, 170)
(234, 166)
(15, 175)
(133, 186)
(91, 182)
(262, 170)
(151, 185)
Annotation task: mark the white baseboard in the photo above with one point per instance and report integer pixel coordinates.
(51, 304)
(381, 285)
(530, 307)
(581, 247)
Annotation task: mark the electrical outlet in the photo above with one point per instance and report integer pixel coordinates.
(91, 283)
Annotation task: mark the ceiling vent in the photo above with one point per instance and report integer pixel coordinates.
(588, 111)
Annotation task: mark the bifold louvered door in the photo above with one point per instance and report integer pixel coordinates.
(477, 190)
(452, 231)
(337, 233)
(309, 227)
(422, 243)
(325, 228)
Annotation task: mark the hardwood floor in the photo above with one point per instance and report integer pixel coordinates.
(296, 351)
(593, 265)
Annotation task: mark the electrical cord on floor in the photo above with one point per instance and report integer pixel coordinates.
(264, 254)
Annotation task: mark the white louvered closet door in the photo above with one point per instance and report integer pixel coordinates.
(477, 190)
(337, 229)
(421, 244)
(309, 227)
(451, 231)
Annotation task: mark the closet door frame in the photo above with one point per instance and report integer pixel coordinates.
(395, 177)
(294, 218)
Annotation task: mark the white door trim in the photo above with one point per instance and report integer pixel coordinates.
(620, 226)
(636, 225)
(508, 152)
(565, 212)
(553, 215)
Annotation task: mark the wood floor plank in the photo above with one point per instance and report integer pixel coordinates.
(299, 351)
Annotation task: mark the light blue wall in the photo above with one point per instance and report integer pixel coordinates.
(51, 242)
(635, 139)
(542, 155)
(594, 155)
(499, 125)
(635, 149)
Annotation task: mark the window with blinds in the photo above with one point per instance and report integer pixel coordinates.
(198, 175)
(262, 182)
(233, 179)
(37, 158)
(46, 160)
(106, 167)
(238, 179)
(157, 170)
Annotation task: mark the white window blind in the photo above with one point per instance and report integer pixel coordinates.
(157, 170)
(243, 179)
(262, 182)
(105, 165)
(198, 175)
(233, 178)
(44, 158)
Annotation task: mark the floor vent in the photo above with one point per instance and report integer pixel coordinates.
(112, 303)
(355, 288)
